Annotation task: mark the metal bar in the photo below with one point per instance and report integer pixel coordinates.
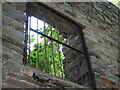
(45, 49)
(53, 55)
(81, 78)
(50, 53)
(58, 47)
(25, 41)
(59, 52)
(58, 41)
(37, 44)
(29, 25)
(88, 62)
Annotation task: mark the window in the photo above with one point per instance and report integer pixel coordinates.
(43, 52)
(50, 45)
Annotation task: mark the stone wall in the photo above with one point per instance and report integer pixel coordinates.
(101, 34)
(15, 73)
(12, 40)
(100, 22)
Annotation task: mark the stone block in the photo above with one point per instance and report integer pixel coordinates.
(67, 6)
(114, 64)
(103, 25)
(7, 21)
(12, 47)
(113, 78)
(95, 68)
(10, 54)
(94, 22)
(101, 65)
(14, 66)
(20, 6)
(25, 79)
(12, 35)
(100, 16)
(97, 7)
(16, 83)
(106, 60)
(108, 83)
(108, 20)
(10, 11)
(5, 85)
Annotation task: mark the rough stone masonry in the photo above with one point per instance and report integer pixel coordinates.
(101, 34)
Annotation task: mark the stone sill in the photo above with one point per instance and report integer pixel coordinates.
(50, 79)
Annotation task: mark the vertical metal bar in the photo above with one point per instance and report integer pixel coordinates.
(58, 47)
(59, 52)
(26, 40)
(29, 25)
(37, 45)
(45, 52)
(88, 62)
(50, 52)
(53, 55)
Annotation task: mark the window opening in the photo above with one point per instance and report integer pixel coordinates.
(43, 49)
(44, 53)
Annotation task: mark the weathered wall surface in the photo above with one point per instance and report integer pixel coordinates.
(15, 74)
(101, 33)
(12, 41)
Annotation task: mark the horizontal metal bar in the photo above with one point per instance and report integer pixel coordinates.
(58, 41)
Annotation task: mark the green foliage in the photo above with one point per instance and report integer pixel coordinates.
(116, 3)
(44, 59)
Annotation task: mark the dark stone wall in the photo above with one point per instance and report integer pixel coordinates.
(101, 33)
(100, 22)
(14, 73)
(13, 19)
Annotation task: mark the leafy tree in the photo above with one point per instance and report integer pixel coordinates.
(47, 56)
